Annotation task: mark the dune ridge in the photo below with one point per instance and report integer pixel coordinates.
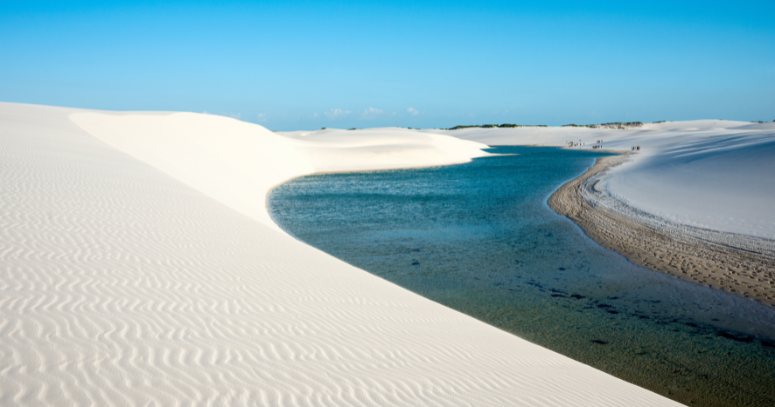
(133, 273)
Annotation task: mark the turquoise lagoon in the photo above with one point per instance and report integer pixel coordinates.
(479, 238)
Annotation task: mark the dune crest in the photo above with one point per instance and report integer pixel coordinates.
(231, 161)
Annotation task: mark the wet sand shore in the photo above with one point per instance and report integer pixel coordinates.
(739, 264)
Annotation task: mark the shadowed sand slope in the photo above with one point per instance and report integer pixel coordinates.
(127, 279)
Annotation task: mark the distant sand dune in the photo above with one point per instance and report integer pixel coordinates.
(132, 273)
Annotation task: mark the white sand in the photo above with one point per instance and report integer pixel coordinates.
(139, 267)
(712, 174)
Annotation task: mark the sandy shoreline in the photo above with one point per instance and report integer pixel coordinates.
(742, 265)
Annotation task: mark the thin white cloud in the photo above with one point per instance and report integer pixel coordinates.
(368, 113)
(371, 112)
(261, 117)
(412, 111)
(336, 113)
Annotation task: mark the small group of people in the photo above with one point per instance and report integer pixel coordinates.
(636, 148)
(598, 144)
(580, 143)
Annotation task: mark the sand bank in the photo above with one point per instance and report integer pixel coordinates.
(709, 174)
(139, 267)
(739, 264)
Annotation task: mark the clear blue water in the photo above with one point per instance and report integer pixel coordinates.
(480, 238)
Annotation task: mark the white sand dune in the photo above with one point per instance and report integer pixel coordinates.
(712, 174)
(139, 267)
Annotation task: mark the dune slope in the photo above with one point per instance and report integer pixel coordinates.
(136, 270)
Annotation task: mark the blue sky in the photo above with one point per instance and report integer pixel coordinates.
(306, 65)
